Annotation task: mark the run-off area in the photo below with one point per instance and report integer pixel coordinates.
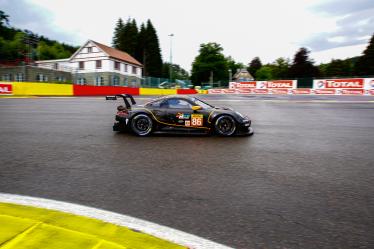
(303, 180)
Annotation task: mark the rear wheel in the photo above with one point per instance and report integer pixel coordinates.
(225, 125)
(141, 125)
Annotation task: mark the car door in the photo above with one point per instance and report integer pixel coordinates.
(179, 113)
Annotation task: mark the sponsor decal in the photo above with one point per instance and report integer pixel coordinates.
(372, 83)
(197, 120)
(280, 84)
(352, 91)
(248, 84)
(301, 91)
(228, 91)
(279, 91)
(6, 89)
(215, 91)
(260, 91)
(324, 91)
(244, 91)
(183, 115)
(370, 92)
(344, 83)
(187, 123)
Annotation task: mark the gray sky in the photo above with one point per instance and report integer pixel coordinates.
(245, 28)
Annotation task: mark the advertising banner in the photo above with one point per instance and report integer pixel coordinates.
(6, 89)
(349, 86)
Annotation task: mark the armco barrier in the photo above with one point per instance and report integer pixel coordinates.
(103, 90)
(41, 89)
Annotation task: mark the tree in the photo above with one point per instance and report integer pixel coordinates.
(233, 65)
(210, 62)
(254, 65)
(152, 52)
(280, 68)
(177, 73)
(302, 66)
(118, 30)
(337, 68)
(265, 73)
(140, 46)
(365, 64)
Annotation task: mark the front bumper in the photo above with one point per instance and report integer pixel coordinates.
(245, 128)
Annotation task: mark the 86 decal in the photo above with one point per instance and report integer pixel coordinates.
(196, 120)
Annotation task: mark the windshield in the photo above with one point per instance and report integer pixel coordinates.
(202, 103)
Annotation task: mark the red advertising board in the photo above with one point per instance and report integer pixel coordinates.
(241, 85)
(260, 91)
(279, 91)
(340, 83)
(302, 91)
(6, 89)
(103, 90)
(280, 84)
(351, 91)
(324, 91)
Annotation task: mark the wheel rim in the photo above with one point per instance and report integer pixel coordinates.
(225, 125)
(142, 125)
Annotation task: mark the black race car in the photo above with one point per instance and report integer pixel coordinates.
(178, 114)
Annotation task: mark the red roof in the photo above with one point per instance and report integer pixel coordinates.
(117, 54)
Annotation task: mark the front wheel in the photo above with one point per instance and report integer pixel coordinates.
(141, 125)
(225, 125)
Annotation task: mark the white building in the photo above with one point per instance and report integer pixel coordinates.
(97, 64)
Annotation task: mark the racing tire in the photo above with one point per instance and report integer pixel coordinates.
(141, 125)
(225, 125)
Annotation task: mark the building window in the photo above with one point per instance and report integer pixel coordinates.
(99, 81)
(60, 78)
(126, 69)
(55, 66)
(125, 81)
(98, 64)
(115, 80)
(41, 77)
(89, 50)
(81, 65)
(134, 69)
(6, 77)
(19, 77)
(117, 65)
(81, 81)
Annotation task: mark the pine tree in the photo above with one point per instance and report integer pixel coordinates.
(116, 41)
(365, 64)
(140, 46)
(302, 66)
(152, 54)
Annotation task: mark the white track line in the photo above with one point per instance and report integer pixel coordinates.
(163, 232)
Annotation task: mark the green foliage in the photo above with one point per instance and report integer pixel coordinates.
(337, 68)
(265, 73)
(302, 66)
(118, 30)
(210, 62)
(16, 44)
(177, 72)
(254, 65)
(365, 64)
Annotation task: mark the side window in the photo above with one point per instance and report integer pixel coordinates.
(179, 104)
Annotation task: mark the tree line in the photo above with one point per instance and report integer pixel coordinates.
(210, 65)
(19, 46)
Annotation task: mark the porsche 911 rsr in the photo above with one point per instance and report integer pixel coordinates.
(178, 114)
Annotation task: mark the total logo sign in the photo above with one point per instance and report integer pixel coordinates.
(339, 83)
(277, 84)
(6, 89)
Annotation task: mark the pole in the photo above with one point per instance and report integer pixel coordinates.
(171, 57)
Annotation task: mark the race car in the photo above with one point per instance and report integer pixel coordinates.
(178, 114)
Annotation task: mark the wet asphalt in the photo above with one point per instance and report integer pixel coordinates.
(305, 179)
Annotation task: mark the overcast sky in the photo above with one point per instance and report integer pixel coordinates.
(245, 28)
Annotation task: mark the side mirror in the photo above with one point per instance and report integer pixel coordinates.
(196, 107)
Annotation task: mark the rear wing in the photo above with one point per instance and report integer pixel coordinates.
(124, 96)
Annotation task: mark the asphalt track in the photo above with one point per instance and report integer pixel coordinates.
(304, 180)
